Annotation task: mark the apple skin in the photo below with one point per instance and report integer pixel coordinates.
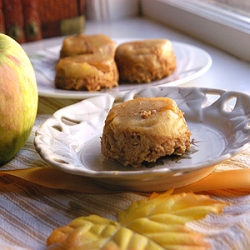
(18, 98)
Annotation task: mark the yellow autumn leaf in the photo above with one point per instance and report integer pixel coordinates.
(156, 223)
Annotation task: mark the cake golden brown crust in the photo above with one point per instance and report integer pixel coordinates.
(145, 61)
(86, 72)
(87, 44)
(143, 130)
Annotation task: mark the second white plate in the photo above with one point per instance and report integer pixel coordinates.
(70, 139)
(192, 62)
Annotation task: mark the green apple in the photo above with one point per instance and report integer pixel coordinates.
(18, 98)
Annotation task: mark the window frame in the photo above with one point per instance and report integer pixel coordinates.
(225, 30)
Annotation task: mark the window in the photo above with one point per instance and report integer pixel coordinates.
(213, 23)
(238, 6)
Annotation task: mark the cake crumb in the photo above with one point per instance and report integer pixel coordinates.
(145, 114)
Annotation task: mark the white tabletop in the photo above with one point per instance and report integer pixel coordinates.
(227, 72)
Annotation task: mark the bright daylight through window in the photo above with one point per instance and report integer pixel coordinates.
(237, 6)
(222, 23)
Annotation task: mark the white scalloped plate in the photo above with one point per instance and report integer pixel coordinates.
(218, 120)
(192, 62)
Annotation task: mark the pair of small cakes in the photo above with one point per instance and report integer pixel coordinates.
(92, 62)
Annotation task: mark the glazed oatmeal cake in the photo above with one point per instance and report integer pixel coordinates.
(145, 61)
(143, 130)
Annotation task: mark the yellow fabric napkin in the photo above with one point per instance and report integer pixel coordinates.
(54, 178)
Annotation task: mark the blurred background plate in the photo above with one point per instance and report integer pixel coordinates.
(192, 62)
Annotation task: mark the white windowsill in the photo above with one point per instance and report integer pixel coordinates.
(223, 31)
